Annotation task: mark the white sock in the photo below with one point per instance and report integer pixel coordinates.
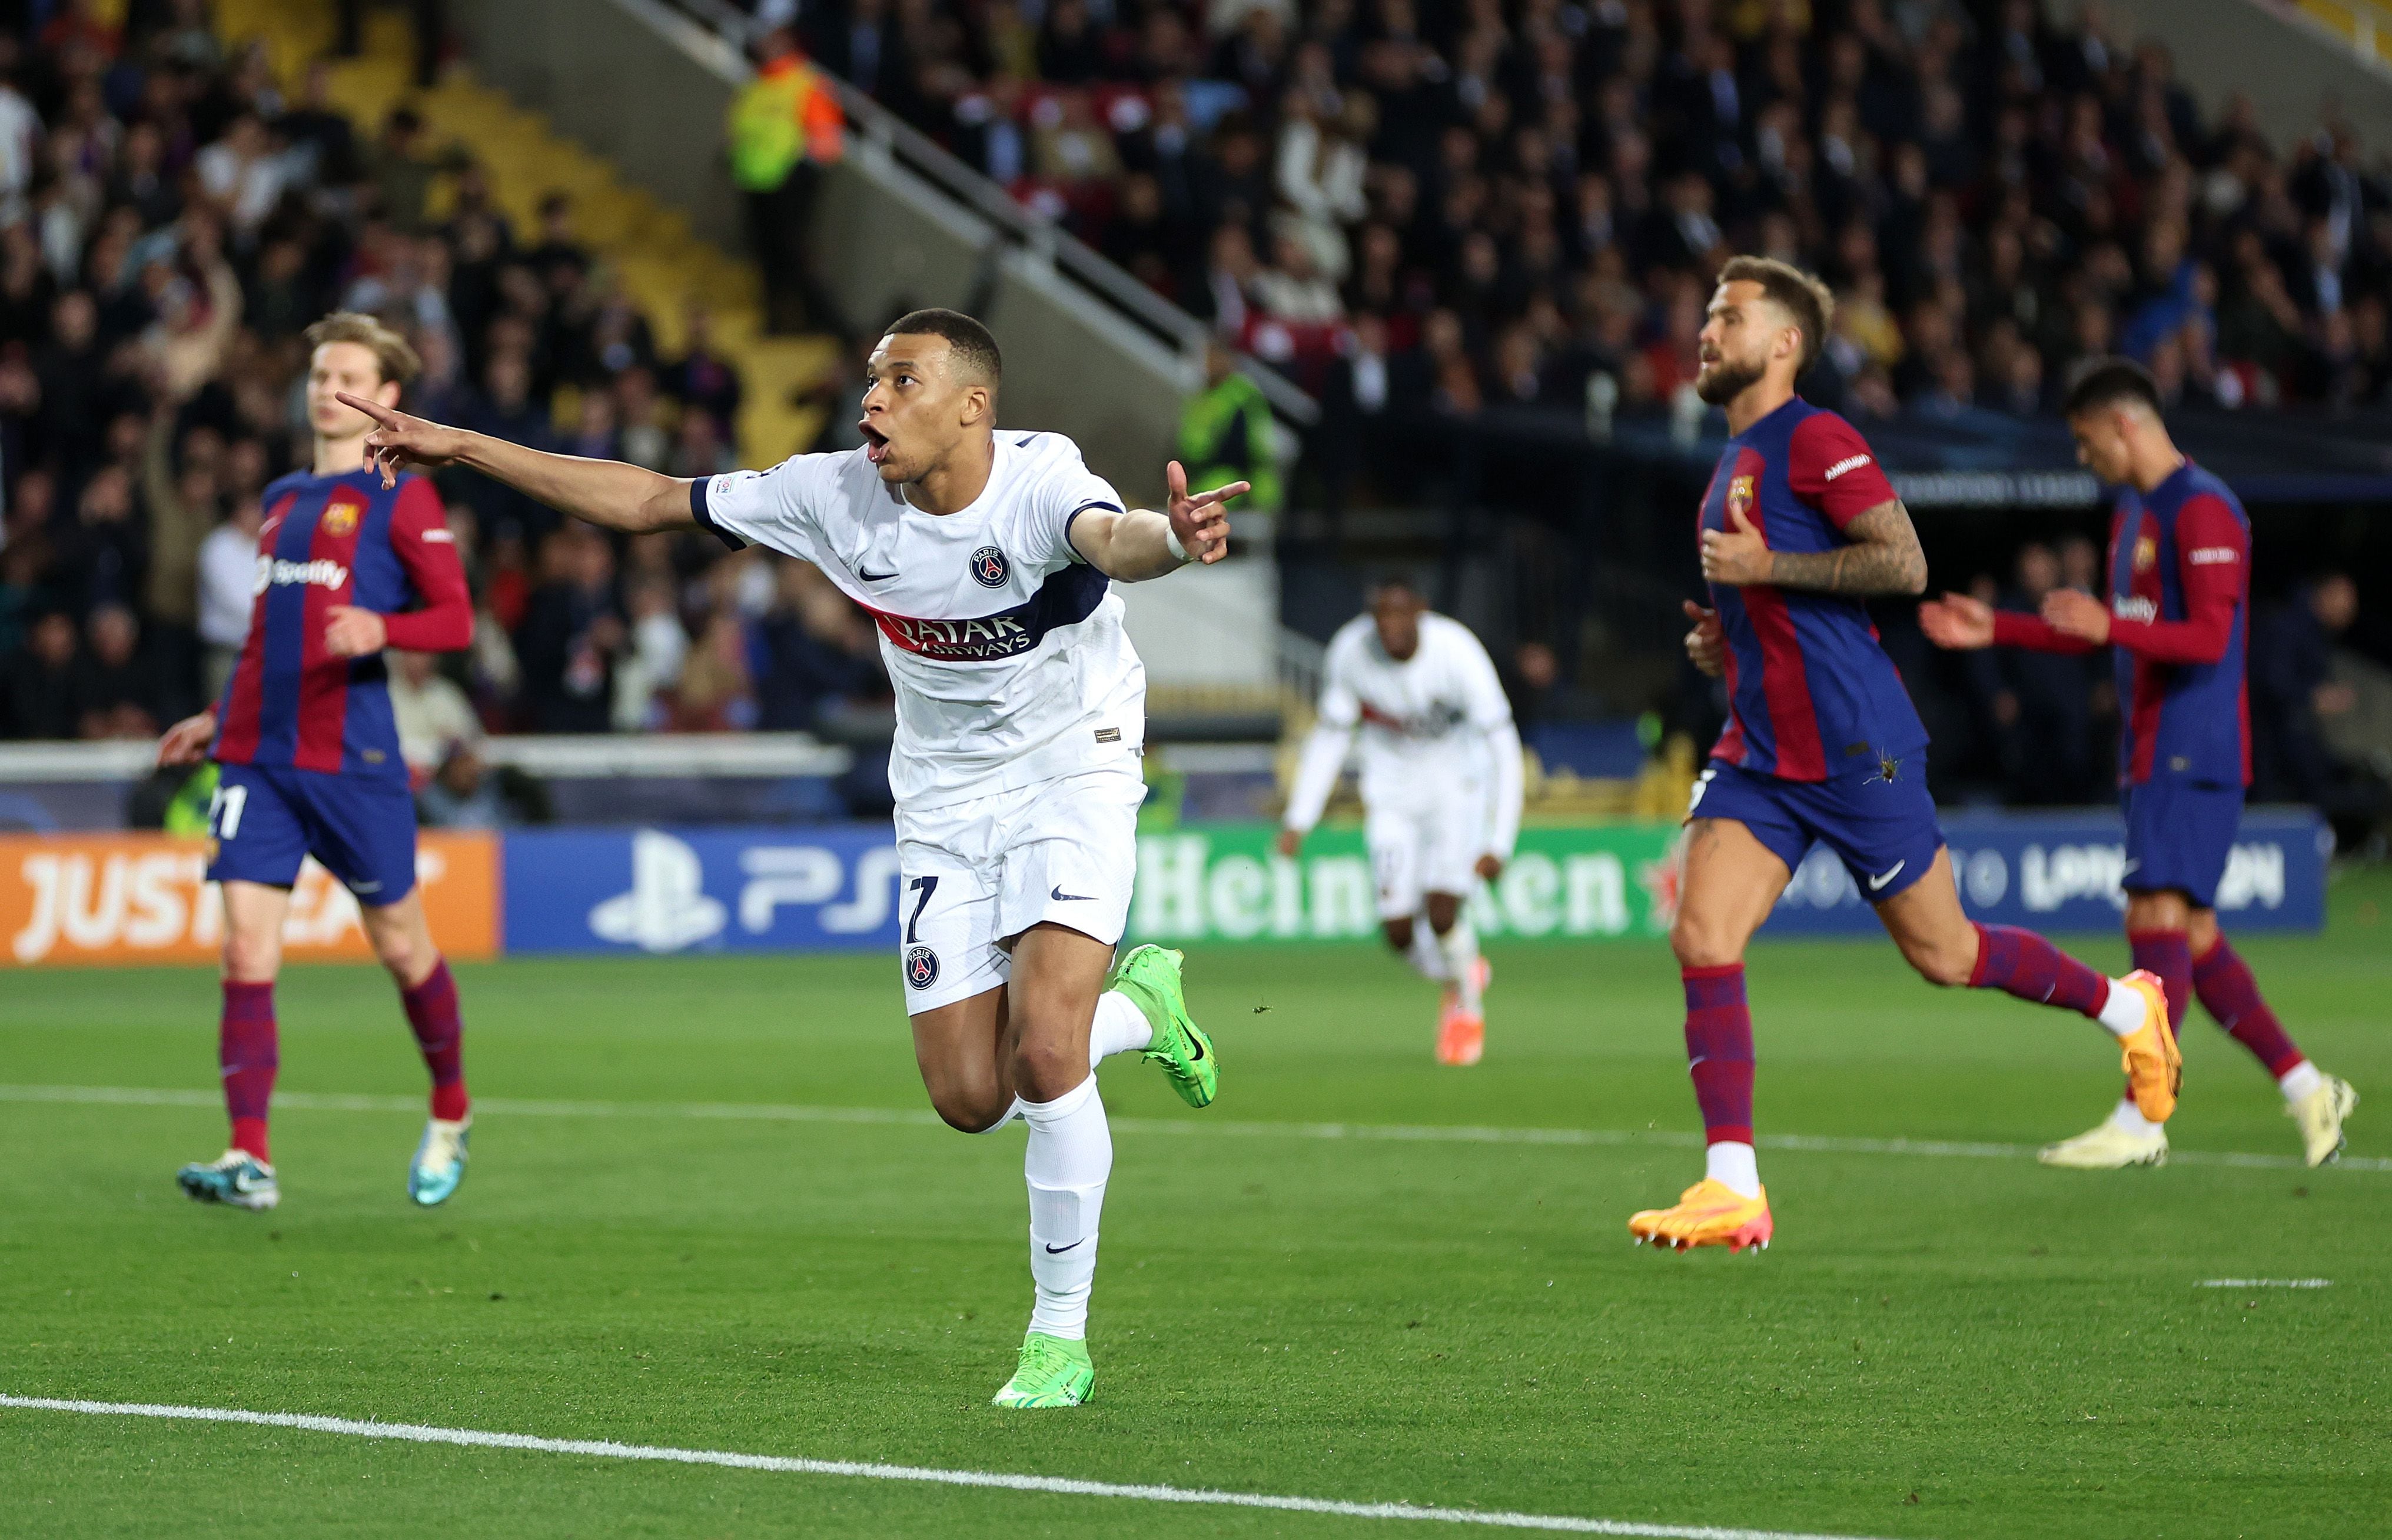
(1427, 957)
(2299, 1081)
(2125, 1010)
(1461, 945)
(1070, 1155)
(1731, 1164)
(2129, 1117)
(1120, 1027)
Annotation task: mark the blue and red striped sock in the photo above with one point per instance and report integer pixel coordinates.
(2020, 963)
(440, 1034)
(248, 1051)
(2170, 954)
(2230, 993)
(1719, 1051)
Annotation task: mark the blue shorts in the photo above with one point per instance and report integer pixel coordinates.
(1884, 831)
(267, 819)
(2178, 835)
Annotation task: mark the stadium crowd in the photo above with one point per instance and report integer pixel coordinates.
(1445, 206)
(170, 222)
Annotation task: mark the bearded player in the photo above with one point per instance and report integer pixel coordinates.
(2179, 619)
(348, 563)
(1799, 529)
(1440, 787)
(1020, 715)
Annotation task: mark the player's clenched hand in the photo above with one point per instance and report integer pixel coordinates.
(1737, 554)
(2073, 612)
(1200, 522)
(1490, 866)
(1706, 642)
(1290, 842)
(186, 740)
(351, 632)
(1957, 621)
(398, 441)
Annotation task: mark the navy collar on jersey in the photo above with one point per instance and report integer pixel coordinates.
(1754, 426)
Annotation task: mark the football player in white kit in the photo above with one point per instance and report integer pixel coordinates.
(1440, 787)
(986, 558)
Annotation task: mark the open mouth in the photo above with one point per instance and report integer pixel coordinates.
(875, 443)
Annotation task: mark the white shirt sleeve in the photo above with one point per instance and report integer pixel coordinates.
(779, 509)
(1066, 489)
(1491, 712)
(1325, 750)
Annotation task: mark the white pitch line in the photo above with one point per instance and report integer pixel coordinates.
(2265, 1283)
(1434, 1134)
(1006, 1480)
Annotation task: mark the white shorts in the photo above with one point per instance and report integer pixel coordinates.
(978, 873)
(1416, 852)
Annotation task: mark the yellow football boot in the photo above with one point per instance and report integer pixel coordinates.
(2319, 1115)
(1708, 1213)
(2154, 1068)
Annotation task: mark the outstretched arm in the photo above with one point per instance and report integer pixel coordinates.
(605, 492)
(1136, 545)
(1960, 623)
(1882, 557)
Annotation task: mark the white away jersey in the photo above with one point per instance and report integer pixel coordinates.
(1434, 727)
(1008, 652)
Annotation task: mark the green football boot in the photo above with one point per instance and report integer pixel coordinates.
(1150, 976)
(1053, 1372)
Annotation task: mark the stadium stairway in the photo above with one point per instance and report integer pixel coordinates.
(646, 246)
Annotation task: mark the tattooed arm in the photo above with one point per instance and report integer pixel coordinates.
(1882, 557)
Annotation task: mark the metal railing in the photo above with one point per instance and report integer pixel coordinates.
(1034, 234)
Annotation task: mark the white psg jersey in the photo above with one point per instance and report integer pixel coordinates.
(1425, 722)
(1008, 652)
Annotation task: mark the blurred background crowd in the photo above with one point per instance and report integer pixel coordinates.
(1410, 206)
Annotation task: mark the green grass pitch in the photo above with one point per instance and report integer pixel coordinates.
(1936, 1346)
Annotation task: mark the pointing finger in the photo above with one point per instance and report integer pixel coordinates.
(374, 409)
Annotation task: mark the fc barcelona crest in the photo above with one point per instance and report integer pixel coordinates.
(339, 519)
(2147, 550)
(1739, 498)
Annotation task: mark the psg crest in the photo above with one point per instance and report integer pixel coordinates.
(922, 967)
(989, 567)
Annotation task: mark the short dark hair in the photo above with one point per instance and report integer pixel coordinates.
(975, 349)
(1793, 291)
(2099, 382)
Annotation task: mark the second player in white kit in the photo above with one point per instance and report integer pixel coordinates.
(1440, 762)
(987, 560)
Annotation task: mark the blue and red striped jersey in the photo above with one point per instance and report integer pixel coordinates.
(2180, 621)
(328, 541)
(1810, 691)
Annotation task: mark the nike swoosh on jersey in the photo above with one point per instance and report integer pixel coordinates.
(1060, 896)
(874, 576)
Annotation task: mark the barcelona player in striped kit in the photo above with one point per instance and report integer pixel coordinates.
(308, 753)
(2179, 619)
(1799, 529)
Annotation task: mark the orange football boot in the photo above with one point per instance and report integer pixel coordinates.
(1462, 1036)
(2154, 1067)
(1708, 1213)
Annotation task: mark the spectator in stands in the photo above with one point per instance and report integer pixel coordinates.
(434, 715)
(37, 691)
(1226, 434)
(465, 793)
(784, 125)
(118, 691)
(702, 376)
(2323, 714)
(228, 589)
(571, 634)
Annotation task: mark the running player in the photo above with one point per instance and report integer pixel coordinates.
(348, 563)
(1799, 527)
(1021, 719)
(1440, 787)
(2180, 617)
